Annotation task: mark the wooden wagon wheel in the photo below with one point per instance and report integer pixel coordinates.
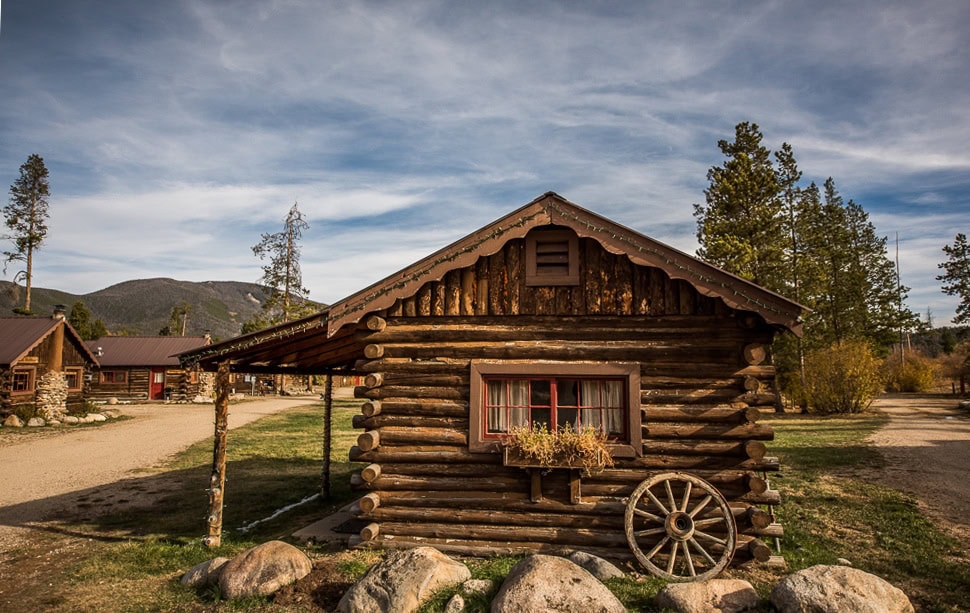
(680, 527)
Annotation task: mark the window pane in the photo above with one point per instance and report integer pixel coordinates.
(519, 403)
(541, 395)
(541, 418)
(497, 402)
(566, 392)
(567, 416)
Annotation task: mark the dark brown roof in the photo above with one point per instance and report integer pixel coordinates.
(143, 350)
(325, 340)
(18, 335)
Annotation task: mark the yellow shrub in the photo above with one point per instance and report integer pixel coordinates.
(843, 378)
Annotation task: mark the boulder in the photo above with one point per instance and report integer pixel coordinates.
(13, 421)
(551, 583)
(36, 422)
(715, 595)
(837, 588)
(597, 566)
(403, 581)
(206, 573)
(97, 417)
(477, 586)
(262, 570)
(71, 419)
(456, 604)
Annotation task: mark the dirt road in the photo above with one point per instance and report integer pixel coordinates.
(927, 450)
(41, 471)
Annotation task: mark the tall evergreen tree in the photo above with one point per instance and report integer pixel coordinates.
(281, 273)
(739, 229)
(956, 276)
(81, 320)
(26, 217)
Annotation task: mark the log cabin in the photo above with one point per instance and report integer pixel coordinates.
(144, 368)
(44, 366)
(555, 314)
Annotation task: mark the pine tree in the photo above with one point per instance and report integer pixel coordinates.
(26, 217)
(740, 229)
(956, 276)
(282, 274)
(80, 319)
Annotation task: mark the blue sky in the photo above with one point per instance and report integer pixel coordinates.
(176, 132)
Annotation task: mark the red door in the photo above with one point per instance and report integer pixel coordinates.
(157, 384)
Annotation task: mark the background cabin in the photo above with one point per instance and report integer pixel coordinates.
(143, 368)
(44, 366)
(550, 314)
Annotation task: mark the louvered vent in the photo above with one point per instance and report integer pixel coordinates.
(552, 258)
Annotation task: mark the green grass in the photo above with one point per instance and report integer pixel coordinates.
(831, 510)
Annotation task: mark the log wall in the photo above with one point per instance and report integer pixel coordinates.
(39, 359)
(704, 381)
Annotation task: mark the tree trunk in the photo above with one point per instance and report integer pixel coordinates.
(217, 481)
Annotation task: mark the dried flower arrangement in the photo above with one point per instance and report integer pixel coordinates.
(564, 447)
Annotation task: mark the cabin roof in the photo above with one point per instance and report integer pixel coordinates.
(19, 335)
(143, 350)
(298, 343)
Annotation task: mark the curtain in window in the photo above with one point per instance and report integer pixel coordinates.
(613, 406)
(519, 403)
(498, 402)
(602, 403)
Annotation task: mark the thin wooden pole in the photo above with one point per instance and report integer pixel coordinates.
(327, 436)
(217, 482)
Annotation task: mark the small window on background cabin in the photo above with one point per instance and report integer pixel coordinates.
(551, 258)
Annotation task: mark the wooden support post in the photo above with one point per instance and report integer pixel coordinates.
(575, 481)
(535, 484)
(327, 435)
(217, 482)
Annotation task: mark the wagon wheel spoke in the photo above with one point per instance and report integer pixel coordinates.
(657, 502)
(670, 496)
(702, 551)
(656, 549)
(685, 548)
(673, 557)
(683, 505)
(650, 516)
(700, 505)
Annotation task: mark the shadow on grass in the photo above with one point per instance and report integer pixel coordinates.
(174, 505)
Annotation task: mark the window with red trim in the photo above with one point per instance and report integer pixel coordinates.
(113, 376)
(22, 381)
(73, 377)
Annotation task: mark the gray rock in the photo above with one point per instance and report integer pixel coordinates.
(715, 595)
(456, 604)
(262, 570)
(12, 421)
(36, 422)
(597, 566)
(54, 423)
(477, 586)
(403, 581)
(833, 589)
(551, 583)
(70, 419)
(843, 562)
(206, 573)
(97, 417)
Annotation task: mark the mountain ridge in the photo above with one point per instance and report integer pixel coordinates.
(143, 306)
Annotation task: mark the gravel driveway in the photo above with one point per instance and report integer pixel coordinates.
(40, 471)
(926, 445)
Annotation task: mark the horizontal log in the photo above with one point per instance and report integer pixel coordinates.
(392, 391)
(755, 353)
(370, 532)
(369, 502)
(374, 379)
(754, 547)
(374, 323)
(371, 408)
(739, 478)
(373, 351)
(404, 380)
(563, 536)
(708, 431)
(369, 440)
(513, 500)
(709, 462)
(716, 414)
(426, 406)
(754, 450)
(371, 472)
(554, 331)
(444, 483)
(477, 548)
(394, 435)
(420, 454)
(614, 351)
(501, 517)
(409, 366)
(769, 531)
(408, 421)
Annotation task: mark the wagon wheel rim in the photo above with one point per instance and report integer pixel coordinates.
(680, 527)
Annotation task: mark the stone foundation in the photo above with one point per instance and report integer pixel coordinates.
(52, 396)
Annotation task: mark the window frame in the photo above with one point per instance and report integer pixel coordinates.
(533, 278)
(115, 379)
(78, 374)
(31, 374)
(479, 441)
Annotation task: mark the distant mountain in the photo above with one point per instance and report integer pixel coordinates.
(143, 306)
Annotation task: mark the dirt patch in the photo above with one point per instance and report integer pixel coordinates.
(926, 446)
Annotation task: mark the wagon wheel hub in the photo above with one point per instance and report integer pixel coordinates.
(680, 526)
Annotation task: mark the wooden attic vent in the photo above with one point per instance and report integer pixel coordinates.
(551, 258)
